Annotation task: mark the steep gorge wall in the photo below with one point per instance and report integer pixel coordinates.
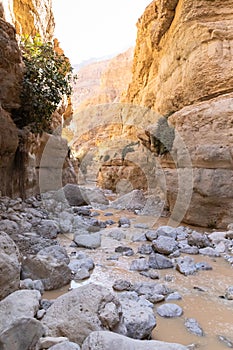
(21, 151)
(183, 67)
(103, 81)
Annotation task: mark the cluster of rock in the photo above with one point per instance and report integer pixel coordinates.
(32, 261)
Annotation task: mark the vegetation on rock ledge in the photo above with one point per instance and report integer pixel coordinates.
(47, 79)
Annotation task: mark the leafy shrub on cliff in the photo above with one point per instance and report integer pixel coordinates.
(47, 79)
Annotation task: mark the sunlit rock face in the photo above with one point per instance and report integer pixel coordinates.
(29, 17)
(183, 54)
(103, 82)
(21, 151)
(183, 69)
(105, 142)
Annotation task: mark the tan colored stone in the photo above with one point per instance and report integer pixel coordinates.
(183, 54)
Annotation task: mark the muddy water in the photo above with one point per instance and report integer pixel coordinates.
(201, 293)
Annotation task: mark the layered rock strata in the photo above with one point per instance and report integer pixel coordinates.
(183, 69)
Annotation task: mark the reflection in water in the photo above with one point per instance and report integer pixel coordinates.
(201, 293)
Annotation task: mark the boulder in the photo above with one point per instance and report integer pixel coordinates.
(9, 266)
(22, 303)
(113, 341)
(52, 272)
(139, 318)
(81, 311)
(89, 240)
(74, 195)
(22, 334)
(169, 310)
(134, 200)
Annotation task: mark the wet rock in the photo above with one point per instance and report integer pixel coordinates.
(122, 285)
(145, 249)
(67, 345)
(127, 251)
(83, 310)
(134, 200)
(116, 233)
(48, 229)
(52, 272)
(124, 222)
(140, 264)
(151, 235)
(32, 285)
(74, 195)
(113, 341)
(164, 245)
(209, 252)
(229, 293)
(138, 315)
(193, 327)
(23, 333)
(199, 240)
(169, 310)
(158, 261)
(22, 303)
(9, 266)
(89, 241)
(186, 265)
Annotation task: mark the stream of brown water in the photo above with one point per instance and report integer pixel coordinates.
(201, 293)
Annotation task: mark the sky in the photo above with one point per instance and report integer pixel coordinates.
(96, 28)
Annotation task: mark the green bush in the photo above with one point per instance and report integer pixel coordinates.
(46, 80)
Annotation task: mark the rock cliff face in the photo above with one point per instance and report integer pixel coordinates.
(103, 82)
(20, 151)
(183, 68)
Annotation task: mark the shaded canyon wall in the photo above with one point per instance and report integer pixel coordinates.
(21, 151)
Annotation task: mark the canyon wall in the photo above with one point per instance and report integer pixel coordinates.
(103, 81)
(172, 130)
(21, 151)
(183, 69)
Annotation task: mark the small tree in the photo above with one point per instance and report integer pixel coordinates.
(46, 80)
